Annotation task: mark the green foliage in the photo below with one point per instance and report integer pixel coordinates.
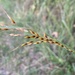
(42, 16)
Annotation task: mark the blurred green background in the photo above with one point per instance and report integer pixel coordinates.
(56, 18)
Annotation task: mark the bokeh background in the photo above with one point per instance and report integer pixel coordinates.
(56, 18)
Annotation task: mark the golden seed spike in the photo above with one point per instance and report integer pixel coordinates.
(61, 45)
(50, 40)
(45, 39)
(45, 36)
(27, 43)
(32, 32)
(4, 29)
(15, 34)
(38, 42)
(41, 39)
(37, 35)
(30, 36)
(11, 20)
(8, 16)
